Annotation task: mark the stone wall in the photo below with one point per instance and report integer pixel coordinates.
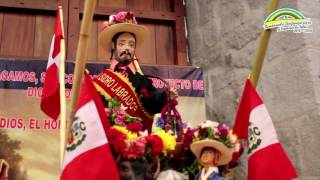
(223, 38)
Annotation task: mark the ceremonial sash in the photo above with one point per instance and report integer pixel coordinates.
(114, 85)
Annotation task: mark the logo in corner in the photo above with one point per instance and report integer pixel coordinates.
(254, 139)
(287, 19)
(78, 134)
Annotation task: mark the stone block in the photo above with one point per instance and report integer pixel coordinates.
(206, 11)
(195, 42)
(254, 4)
(211, 31)
(192, 14)
(231, 13)
(286, 85)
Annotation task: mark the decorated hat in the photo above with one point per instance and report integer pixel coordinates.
(217, 136)
(121, 22)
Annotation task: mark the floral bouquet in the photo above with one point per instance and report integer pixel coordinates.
(216, 131)
(116, 114)
(132, 144)
(128, 139)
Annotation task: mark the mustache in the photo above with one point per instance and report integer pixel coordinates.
(125, 53)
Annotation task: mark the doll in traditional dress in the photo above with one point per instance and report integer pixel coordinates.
(213, 148)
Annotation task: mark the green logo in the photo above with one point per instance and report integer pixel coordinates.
(287, 19)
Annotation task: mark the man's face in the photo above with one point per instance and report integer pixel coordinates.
(125, 48)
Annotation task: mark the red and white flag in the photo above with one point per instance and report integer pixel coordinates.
(88, 155)
(266, 157)
(50, 100)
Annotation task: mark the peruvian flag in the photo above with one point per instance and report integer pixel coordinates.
(88, 155)
(50, 100)
(266, 157)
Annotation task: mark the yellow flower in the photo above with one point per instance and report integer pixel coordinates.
(130, 135)
(169, 141)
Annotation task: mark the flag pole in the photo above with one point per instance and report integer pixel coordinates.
(260, 54)
(262, 48)
(81, 57)
(63, 109)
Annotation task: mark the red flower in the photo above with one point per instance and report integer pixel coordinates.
(134, 126)
(135, 149)
(129, 15)
(155, 143)
(144, 92)
(116, 139)
(188, 136)
(118, 145)
(224, 130)
(114, 134)
(120, 17)
(202, 132)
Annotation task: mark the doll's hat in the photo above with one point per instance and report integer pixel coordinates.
(226, 153)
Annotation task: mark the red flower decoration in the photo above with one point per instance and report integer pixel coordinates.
(118, 145)
(134, 126)
(202, 132)
(144, 92)
(135, 149)
(188, 136)
(124, 16)
(116, 139)
(114, 134)
(155, 143)
(129, 15)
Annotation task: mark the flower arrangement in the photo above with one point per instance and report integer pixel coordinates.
(128, 140)
(117, 115)
(122, 17)
(136, 145)
(216, 131)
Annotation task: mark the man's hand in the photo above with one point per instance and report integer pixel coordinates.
(4, 168)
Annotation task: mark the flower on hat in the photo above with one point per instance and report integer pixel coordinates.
(216, 131)
(122, 17)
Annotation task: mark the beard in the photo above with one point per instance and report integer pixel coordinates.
(125, 58)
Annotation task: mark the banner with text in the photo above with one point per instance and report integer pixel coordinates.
(31, 139)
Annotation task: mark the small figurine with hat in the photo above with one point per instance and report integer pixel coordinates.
(213, 147)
